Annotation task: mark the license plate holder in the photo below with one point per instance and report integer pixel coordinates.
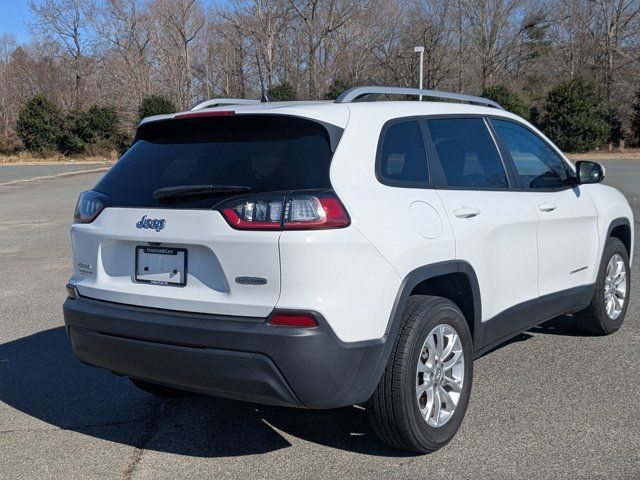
(165, 266)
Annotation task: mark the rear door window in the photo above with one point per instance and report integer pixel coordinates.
(265, 153)
(467, 153)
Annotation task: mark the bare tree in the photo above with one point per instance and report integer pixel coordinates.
(320, 21)
(436, 32)
(8, 97)
(178, 24)
(221, 69)
(615, 31)
(117, 51)
(126, 28)
(65, 22)
(493, 30)
(263, 22)
(571, 20)
(361, 41)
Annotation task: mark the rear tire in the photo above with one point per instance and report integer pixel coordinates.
(414, 406)
(608, 307)
(157, 390)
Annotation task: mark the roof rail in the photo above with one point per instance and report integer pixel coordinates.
(364, 94)
(220, 102)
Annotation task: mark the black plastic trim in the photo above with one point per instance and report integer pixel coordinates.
(619, 222)
(511, 322)
(526, 315)
(320, 370)
(225, 373)
(507, 160)
(578, 181)
(427, 272)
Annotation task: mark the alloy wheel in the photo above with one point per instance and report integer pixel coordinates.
(440, 375)
(615, 286)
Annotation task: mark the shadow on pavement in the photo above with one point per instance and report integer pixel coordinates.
(521, 337)
(40, 376)
(566, 325)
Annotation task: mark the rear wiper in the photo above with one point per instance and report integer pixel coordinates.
(167, 193)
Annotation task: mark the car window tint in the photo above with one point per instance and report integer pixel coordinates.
(537, 164)
(265, 153)
(403, 159)
(467, 153)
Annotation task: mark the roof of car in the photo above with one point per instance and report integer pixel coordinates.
(360, 99)
(338, 113)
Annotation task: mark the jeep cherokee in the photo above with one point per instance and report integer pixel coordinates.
(325, 254)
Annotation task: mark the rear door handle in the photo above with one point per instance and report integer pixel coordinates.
(466, 212)
(547, 207)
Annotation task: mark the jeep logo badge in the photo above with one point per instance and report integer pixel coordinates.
(156, 224)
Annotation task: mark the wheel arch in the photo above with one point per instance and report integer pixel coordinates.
(620, 228)
(455, 280)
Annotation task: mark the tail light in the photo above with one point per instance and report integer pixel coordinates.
(89, 206)
(295, 211)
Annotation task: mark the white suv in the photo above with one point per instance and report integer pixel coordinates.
(324, 254)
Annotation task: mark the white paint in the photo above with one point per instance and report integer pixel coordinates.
(352, 275)
(425, 220)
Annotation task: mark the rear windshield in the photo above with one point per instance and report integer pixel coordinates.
(265, 153)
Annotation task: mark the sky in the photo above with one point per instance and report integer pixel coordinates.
(13, 17)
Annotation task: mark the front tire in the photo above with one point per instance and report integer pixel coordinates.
(608, 306)
(423, 394)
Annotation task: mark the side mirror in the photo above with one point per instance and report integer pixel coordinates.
(589, 172)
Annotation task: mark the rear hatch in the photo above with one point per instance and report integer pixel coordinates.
(160, 242)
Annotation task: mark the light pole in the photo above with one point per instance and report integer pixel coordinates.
(421, 51)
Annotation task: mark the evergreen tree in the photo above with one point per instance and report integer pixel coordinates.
(635, 119)
(575, 117)
(96, 129)
(337, 87)
(283, 92)
(155, 105)
(509, 99)
(40, 125)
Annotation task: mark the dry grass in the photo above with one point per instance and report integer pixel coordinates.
(25, 158)
(629, 154)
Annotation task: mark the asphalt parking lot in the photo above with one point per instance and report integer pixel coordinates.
(550, 404)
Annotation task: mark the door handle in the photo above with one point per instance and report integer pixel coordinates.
(547, 207)
(466, 212)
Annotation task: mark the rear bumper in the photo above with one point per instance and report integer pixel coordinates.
(241, 358)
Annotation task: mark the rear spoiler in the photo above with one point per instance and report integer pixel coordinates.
(333, 131)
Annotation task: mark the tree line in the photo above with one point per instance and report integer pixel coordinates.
(91, 66)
